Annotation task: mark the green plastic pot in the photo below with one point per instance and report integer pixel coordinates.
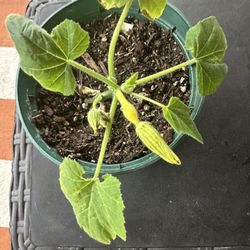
(85, 11)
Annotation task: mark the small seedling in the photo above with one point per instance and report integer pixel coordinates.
(49, 58)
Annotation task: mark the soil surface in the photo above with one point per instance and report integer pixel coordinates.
(145, 49)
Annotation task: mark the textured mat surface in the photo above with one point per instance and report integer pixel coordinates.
(205, 203)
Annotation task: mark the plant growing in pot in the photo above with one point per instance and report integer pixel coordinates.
(49, 58)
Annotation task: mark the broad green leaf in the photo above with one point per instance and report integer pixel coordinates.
(108, 4)
(129, 85)
(151, 138)
(41, 56)
(71, 38)
(178, 116)
(207, 43)
(152, 8)
(98, 205)
(212, 75)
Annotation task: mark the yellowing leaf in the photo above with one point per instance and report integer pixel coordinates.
(94, 119)
(207, 43)
(153, 141)
(178, 116)
(98, 205)
(108, 4)
(152, 8)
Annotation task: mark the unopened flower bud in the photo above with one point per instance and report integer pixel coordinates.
(153, 141)
(128, 109)
(97, 119)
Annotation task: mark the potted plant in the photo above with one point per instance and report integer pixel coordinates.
(49, 58)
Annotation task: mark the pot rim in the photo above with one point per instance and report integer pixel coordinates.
(129, 166)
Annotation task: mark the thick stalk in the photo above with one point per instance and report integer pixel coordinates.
(147, 79)
(148, 99)
(111, 54)
(94, 74)
(106, 137)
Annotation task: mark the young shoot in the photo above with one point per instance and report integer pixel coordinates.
(49, 58)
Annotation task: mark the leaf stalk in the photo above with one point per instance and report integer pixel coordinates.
(147, 79)
(148, 99)
(93, 73)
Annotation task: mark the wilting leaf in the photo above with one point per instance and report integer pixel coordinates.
(98, 205)
(207, 43)
(84, 90)
(178, 116)
(152, 8)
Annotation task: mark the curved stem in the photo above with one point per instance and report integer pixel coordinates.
(111, 54)
(106, 137)
(147, 79)
(148, 99)
(100, 97)
(94, 74)
(96, 101)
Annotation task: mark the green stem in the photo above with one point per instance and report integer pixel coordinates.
(96, 101)
(111, 54)
(147, 79)
(111, 69)
(94, 74)
(106, 137)
(148, 99)
(114, 85)
(100, 97)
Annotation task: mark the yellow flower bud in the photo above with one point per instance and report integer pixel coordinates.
(153, 141)
(128, 109)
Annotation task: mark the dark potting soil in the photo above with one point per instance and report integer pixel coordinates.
(145, 49)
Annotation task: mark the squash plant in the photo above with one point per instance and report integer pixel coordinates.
(97, 202)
